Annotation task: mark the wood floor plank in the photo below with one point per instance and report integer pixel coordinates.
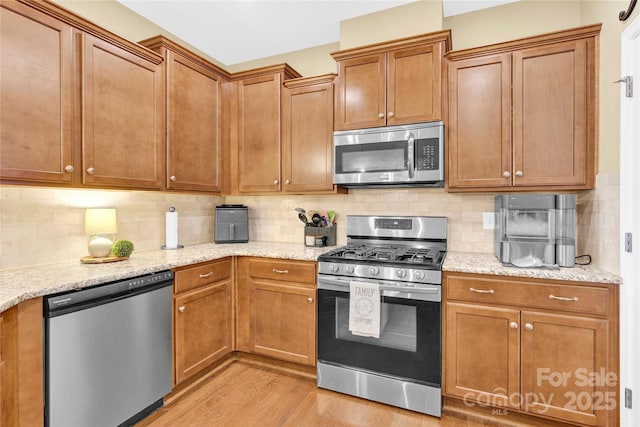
(243, 394)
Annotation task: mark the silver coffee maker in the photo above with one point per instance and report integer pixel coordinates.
(535, 230)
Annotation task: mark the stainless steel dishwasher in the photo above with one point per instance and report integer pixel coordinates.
(108, 352)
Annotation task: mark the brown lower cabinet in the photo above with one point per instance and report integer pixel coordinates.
(276, 305)
(22, 365)
(540, 347)
(203, 316)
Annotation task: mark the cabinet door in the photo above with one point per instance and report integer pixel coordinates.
(550, 115)
(479, 131)
(483, 354)
(36, 96)
(565, 369)
(193, 128)
(202, 322)
(414, 84)
(122, 108)
(259, 134)
(361, 93)
(307, 138)
(283, 322)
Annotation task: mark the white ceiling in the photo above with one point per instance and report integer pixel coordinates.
(235, 31)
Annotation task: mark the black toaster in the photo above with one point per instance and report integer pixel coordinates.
(231, 224)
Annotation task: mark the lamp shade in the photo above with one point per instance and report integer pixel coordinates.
(100, 221)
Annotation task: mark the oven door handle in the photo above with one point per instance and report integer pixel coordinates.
(387, 288)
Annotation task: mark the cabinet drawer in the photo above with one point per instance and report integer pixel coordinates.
(194, 277)
(582, 299)
(283, 270)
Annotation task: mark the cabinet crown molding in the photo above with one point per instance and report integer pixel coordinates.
(308, 81)
(82, 24)
(526, 42)
(435, 37)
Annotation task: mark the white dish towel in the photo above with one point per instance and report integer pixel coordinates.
(364, 309)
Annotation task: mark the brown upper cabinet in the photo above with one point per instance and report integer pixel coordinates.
(122, 137)
(193, 95)
(307, 135)
(85, 103)
(391, 83)
(37, 64)
(522, 114)
(254, 110)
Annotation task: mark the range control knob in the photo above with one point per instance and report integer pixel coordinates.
(374, 270)
(333, 268)
(401, 273)
(420, 275)
(349, 269)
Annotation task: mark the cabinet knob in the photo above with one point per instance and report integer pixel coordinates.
(390, 114)
(91, 171)
(506, 174)
(181, 308)
(276, 182)
(513, 325)
(381, 116)
(310, 300)
(519, 173)
(528, 326)
(68, 168)
(287, 182)
(173, 178)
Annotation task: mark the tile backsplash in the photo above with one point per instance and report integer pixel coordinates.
(40, 225)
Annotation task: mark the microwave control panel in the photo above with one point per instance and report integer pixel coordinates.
(427, 154)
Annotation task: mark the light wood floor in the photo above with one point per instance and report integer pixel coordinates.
(243, 394)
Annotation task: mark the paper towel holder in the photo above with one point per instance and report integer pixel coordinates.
(164, 247)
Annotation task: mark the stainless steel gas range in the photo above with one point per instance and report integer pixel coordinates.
(379, 311)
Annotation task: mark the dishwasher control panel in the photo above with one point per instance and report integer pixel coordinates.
(106, 291)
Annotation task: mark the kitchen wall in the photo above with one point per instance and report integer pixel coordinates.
(42, 225)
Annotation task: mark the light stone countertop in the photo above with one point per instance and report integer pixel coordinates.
(467, 262)
(22, 283)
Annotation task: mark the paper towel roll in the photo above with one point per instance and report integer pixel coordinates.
(171, 240)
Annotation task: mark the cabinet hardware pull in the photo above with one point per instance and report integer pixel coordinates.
(280, 271)
(513, 325)
(91, 171)
(276, 182)
(519, 173)
(68, 168)
(482, 291)
(172, 178)
(310, 299)
(506, 174)
(181, 309)
(287, 182)
(381, 115)
(204, 276)
(552, 296)
(528, 326)
(390, 114)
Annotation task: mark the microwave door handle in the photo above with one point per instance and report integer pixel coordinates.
(410, 156)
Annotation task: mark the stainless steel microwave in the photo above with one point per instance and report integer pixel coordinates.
(406, 155)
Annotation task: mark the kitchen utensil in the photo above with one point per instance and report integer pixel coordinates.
(316, 219)
(332, 217)
(302, 216)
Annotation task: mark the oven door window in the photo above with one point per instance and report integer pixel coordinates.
(374, 157)
(409, 343)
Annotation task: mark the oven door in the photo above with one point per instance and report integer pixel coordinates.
(409, 344)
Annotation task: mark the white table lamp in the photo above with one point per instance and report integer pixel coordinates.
(98, 222)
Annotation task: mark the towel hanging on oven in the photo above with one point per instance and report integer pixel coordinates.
(364, 309)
